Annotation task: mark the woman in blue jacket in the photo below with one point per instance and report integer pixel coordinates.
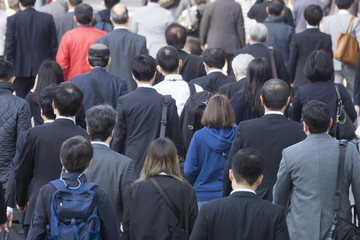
(208, 150)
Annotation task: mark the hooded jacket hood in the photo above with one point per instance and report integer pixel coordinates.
(219, 139)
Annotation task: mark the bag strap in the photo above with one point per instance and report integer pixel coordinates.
(340, 174)
(165, 104)
(272, 62)
(339, 103)
(351, 23)
(192, 88)
(96, 88)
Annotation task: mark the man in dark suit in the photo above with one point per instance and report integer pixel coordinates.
(30, 39)
(306, 42)
(110, 170)
(110, 86)
(139, 116)
(269, 134)
(124, 45)
(39, 159)
(258, 36)
(214, 60)
(242, 215)
(192, 65)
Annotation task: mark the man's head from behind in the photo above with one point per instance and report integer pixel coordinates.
(27, 3)
(45, 100)
(275, 94)
(240, 64)
(76, 154)
(168, 60)
(74, 3)
(84, 14)
(98, 55)
(258, 33)
(214, 57)
(119, 14)
(176, 35)
(143, 68)
(316, 117)
(247, 167)
(313, 14)
(344, 4)
(110, 3)
(67, 99)
(6, 71)
(101, 121)
(276, 8)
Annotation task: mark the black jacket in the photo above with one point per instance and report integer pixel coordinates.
(213, 81)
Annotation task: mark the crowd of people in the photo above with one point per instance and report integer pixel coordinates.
(159, 128)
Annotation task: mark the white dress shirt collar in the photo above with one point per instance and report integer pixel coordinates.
(120, 27)
(343, 11)
(99, 142)
(173, 77)
(311, 27)
(215, 70)
(242, 190)
(145, 85)
(68, 118)
(274, 112)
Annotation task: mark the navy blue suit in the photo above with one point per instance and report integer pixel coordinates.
(213, 81)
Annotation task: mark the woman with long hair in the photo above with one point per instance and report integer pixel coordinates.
(147, 214)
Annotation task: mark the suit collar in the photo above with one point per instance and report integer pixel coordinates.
(319, 136)
(273, 116)
(63, 121)
(145, 89)
(98, 144)
(244, 194)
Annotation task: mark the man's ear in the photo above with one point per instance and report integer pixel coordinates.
(231, 174)
(331, 122)
(261, 100)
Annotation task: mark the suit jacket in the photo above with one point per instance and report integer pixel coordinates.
(192, 66)
(30, 39)
(230, 89)
(269, 134)
(307, 177)
(332, 9)
(242, 215)
(260, 50)
(302, 45)
(357, 83)
(110, 86)
(55, 8)
(64, 23)
(124, 46)
(39, 160)
(114, 173)
(212, 82)
(298, 12)
(139, 117)
(221, 30)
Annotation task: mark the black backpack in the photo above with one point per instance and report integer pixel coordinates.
(190, 118)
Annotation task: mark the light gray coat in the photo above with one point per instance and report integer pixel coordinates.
(307, 177)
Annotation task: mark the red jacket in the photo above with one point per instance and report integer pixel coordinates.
(73, 50)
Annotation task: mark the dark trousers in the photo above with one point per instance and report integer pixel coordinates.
(229, 58)
(23, 85)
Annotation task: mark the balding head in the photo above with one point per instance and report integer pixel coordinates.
(275, 94)
(119, 14)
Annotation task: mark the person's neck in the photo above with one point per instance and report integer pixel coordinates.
(236, 185)
(58, 115)
(239, 78)
(270, 110)
(173, 73)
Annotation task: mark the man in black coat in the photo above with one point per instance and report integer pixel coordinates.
(140, 114)
(30, 39)
(242, 215)
(39, 159)
(269, 134)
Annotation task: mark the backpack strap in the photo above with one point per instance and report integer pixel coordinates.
(165, 104)
(192, 88)
(96, 88)
(58, 184)
(192, 112)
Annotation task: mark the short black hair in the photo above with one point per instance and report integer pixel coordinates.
(45, 100)
(119, 17)
(168, 59)
(316, 115)
(101, 121)
(27, 3)
(276, 7)
(143, 67)
(84, 13)
(319, 67)
(344, 4)
(74, 3)
(110, 3)
(214, 57)
(76, 154)
(98, 55)
(6, 70)
(67, 99)
(247, 164)
(275, 93)
(176, 35)
(313, 14)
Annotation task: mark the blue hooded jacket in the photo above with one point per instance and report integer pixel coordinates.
(204, 164)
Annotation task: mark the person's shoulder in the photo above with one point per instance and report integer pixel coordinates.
(110, 155)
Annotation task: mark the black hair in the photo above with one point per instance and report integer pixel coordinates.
(67, 99)
(247, 164)
(74, 3)
(176, 35)
(7, 70)
(319, 67)
(168, 59)
(276, 7)
(27, 3)
(344, 4)
(99, 61)
(143, 67)
(110, 3)
(45, 100)
(316, 115)
(214, 57)
(84, 13)
(119, 18)
(76, 154)
(313, 14)
(101, 121)
(275, 93)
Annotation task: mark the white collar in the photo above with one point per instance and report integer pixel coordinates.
(145, 85)
(68, 118)
(72, 10)
(215, 70)
(163, 173)
(311, 27)
(120, 27)
(100, 142)
(343, 11)
(173, 77)
(273, 112)
(242, 190)
(48, 121)
(153, 4)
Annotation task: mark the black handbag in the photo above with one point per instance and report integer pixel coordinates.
(340, 228)
(344, 127)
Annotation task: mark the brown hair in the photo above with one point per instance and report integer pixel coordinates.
(218, 113)
(161, 157)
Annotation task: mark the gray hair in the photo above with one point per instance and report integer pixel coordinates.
(258, 32)
(241, 62)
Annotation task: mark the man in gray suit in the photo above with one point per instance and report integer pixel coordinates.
(307, 176)
(110, 170)
(124, 45)
(55, 8)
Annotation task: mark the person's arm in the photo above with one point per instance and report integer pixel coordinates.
(204, 26)
(281, 230)
(126, 216)
(10, 40)
(63, 56)
(240, 28)
(357, 87)
(283, 185)
(118, 143)
(24, 119)
(353, 155)
(280, 67)
(3, 216)
(293, 58)
(191, 167)
(134, 26)
(127, 178)
(200, 230)
(193, 208)
(348, 104)
(53, 39)
(144, 50)
(297, 107)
